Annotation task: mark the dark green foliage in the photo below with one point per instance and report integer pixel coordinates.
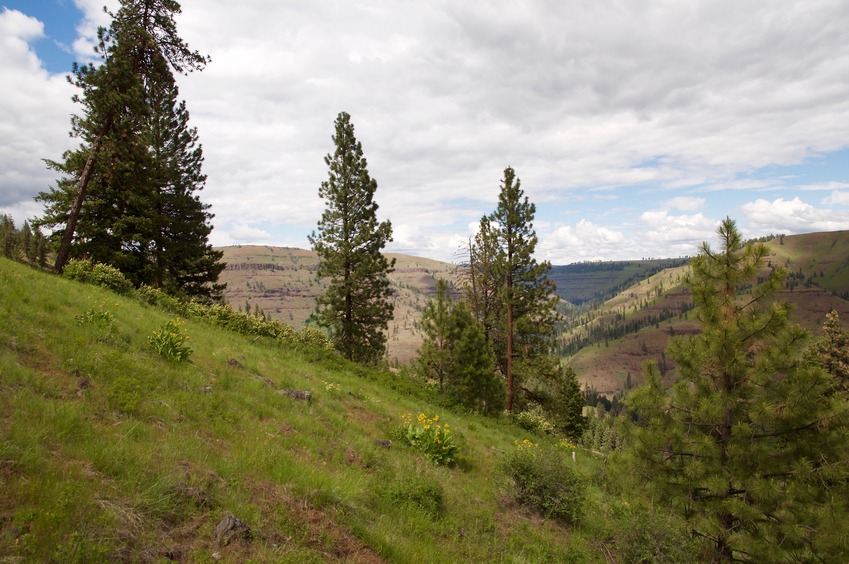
(27, 244)
(455, 351)
(435, 353)
(750, 445)
(831, 351)
(473, 381)
(544, 481)
(650, 534)
(127, 196)
(564, 403)
(356, 305)
(8, 237)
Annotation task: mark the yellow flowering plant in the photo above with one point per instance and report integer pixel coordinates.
(432, 438)
(170, 341)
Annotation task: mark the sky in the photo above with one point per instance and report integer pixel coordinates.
(634, 126)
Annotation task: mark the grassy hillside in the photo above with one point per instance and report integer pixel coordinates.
(282, 282)
(109, 452)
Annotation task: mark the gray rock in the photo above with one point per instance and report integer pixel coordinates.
(231, 528)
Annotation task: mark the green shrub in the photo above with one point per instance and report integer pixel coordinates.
(84, 270)
(432, 438)
(545, 481)
(169, 341)
(651, 534)
(101, 324)
(226, 317)
(534, 420)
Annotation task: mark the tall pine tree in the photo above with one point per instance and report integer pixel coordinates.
(128, 193)
(750, 444)
(356, 306)
(528, 296)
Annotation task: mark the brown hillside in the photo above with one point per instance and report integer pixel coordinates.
(282, 282)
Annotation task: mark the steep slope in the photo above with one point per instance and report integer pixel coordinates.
(109, 452)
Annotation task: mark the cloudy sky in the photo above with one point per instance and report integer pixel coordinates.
(635, 126)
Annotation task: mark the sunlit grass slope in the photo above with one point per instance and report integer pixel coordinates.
(109, 452)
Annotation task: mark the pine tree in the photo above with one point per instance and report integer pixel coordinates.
(472, 379)
(456, 352)
(481, 281)
(8, 236)
(750, 444)
(435, 352)
(527, 295)
(127, 196)
(831, 350)
(356, 305)
(184, 260)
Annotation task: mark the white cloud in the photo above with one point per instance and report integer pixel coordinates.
(684, 203)
(838, 197)
(246, 234)
(34, 114)
(793, 216)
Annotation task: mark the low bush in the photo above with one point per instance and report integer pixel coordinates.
(84, 270)
(226, 317)
(534, 420)
(544, 480)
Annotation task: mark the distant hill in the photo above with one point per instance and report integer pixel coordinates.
(607, 342)
(584, 282)
(282, 282)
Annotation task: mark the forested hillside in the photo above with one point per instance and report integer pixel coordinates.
(608, 344)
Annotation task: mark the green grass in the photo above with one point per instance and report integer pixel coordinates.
(109, 452)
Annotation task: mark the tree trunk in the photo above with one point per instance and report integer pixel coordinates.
(64, 253)
(510, 334)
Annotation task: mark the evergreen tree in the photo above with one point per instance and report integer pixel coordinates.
(528, 296)
(750, 445)
(482, 284)
(184, 260)
(435, 352)
(831, 350)
(8, 236)
(356, 305)
(127, 196)
(472, 379)
(565, 402)
(456, 352)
